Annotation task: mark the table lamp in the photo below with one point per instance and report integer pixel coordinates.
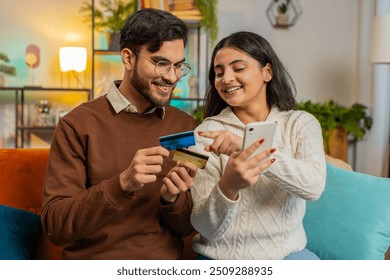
(73, 59)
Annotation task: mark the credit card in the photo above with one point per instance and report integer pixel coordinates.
(178, 140)
(198, 159)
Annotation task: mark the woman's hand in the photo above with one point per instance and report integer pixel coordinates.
(224, 142)
(242, 171)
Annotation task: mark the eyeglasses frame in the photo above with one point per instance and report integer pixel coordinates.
(156, 64)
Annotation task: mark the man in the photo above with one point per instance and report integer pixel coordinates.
(110, 190)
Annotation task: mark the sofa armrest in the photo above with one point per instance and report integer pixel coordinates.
(338, 163)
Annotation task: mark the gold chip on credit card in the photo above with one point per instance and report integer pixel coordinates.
(198, 159)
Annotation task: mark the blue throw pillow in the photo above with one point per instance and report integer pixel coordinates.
(351, 220)
(20, 232)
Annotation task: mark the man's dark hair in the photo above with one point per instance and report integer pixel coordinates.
(151, 27)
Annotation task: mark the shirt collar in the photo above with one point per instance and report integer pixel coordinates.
(120, 103)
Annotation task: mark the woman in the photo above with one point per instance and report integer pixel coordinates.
(243, 209)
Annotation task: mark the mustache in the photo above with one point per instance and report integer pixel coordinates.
(163, 82)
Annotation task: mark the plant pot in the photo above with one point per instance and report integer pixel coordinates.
(338, 144)
(282, 19)
(113, 41)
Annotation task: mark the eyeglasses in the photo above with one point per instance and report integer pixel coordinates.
(162, 67)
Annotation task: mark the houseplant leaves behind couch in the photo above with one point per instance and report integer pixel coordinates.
(332, 116)
(110, 18)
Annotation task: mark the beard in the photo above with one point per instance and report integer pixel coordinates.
(144, 89)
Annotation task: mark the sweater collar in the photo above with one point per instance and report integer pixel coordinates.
(227, 116)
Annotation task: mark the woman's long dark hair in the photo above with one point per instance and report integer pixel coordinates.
(281, 89)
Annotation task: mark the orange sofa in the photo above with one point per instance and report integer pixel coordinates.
(21, 178)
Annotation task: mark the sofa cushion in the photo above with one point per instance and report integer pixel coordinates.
(21, 177)
(20, 233)
(351, 220)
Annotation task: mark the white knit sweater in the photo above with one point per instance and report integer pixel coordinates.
(266, 221)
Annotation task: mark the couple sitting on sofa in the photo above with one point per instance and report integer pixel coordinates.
(112, 192)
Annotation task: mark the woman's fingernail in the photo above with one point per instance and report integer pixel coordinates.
(272, 160)
(272, 150)
(199, 132)
(261, 140)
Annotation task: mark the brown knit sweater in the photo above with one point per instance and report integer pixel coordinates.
(84, 208)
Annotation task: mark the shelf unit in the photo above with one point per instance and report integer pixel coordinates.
(197, 51)
(25, 113)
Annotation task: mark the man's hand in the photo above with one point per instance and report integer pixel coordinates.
(179, 179)
(225, 142)
(144, 167)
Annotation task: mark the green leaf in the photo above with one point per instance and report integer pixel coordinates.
(354, 120)
(6, 69)
(112, 15)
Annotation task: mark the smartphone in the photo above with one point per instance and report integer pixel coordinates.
(255, 131)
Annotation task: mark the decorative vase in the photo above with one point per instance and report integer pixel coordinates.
(43, 118)
(193, 83)
(2, 81)
(338, 144)
(113, 41)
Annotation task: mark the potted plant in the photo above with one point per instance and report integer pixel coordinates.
(5, 68)
(110, 17)
(282, 18)
(338, 123)
(114, 13)
(209, 19)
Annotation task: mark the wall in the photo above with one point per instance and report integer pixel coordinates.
(325, 51)
(320, 50)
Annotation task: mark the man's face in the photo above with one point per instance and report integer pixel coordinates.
(157, 90)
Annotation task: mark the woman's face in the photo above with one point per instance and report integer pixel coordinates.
(239, 79)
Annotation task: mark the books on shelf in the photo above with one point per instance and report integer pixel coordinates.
(157, 4)
(183, 9)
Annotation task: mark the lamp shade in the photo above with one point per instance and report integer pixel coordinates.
(380, 40)
(73, 58)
